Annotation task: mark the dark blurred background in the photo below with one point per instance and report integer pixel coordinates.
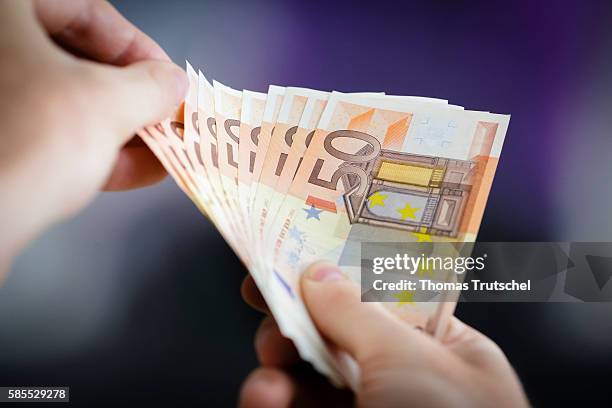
(138, 297)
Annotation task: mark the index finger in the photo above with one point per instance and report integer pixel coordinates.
(96, 30)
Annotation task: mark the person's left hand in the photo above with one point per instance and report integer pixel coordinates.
(68, 112)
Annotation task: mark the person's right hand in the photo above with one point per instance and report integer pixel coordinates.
(67, 121)
(400, 366)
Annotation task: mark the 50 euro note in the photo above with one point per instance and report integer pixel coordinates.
(287, 143)
(175, 141)
(274, 101)
(380, 170)
(192, 146)
(266, 201)
(228, 107)
(292, 150)
(165, 141)
(209, 154)
(251, 116)
(297, 119)
(192, 149)
(299, 143)
(163, 151)
(228, 104)
(191, 137)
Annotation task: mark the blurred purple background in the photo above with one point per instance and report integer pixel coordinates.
(137, 297)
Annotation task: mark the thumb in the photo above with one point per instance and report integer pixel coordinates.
(364, 330)
(139, 94)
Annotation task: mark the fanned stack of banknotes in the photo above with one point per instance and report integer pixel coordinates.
(297, 175)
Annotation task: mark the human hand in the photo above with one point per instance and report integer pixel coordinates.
(400, 366)
(65, 119)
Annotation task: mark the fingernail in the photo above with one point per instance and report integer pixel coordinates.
(324, 272)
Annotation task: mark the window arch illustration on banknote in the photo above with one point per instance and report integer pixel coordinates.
(410, 192)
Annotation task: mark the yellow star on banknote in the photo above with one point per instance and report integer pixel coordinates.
(408, 212)
(422, 236)
(405, 297)
(377, 199)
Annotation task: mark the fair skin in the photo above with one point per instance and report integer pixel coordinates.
(400, 366)
(76, 81)
(67, 121)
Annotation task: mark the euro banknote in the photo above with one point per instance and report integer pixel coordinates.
(296, 175)
(251, 116)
